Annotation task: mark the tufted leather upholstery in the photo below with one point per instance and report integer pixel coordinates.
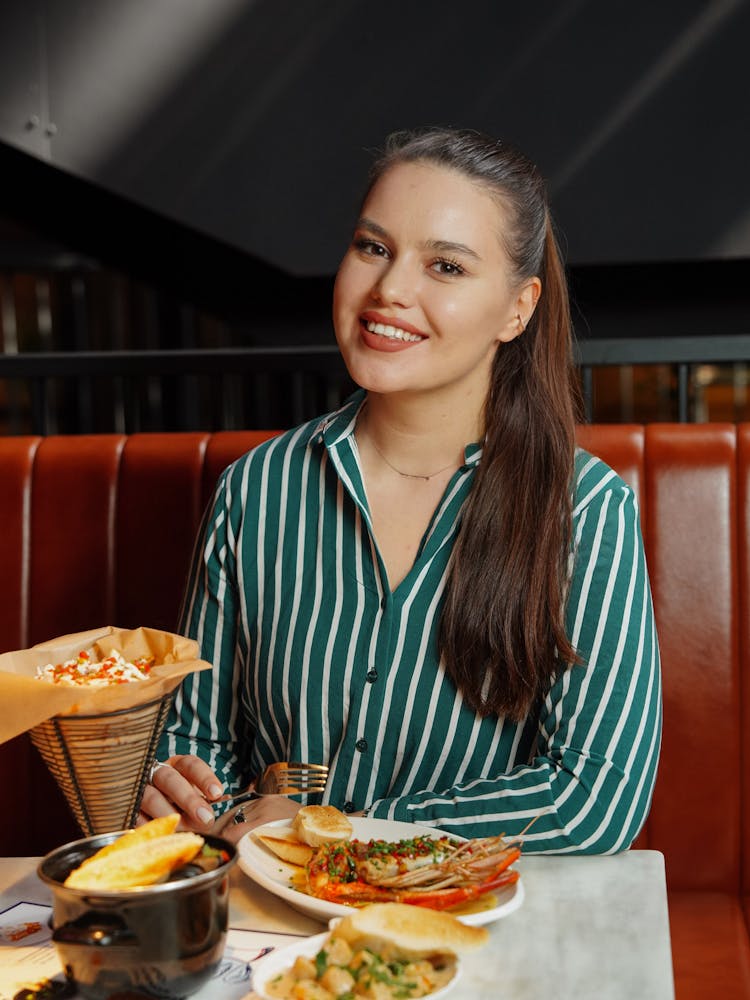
(693, 483)
(98, 530)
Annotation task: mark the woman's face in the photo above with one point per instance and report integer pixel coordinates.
(424, 294)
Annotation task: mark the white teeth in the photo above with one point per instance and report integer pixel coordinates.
(392, 332)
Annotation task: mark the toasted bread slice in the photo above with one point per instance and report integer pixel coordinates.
(159, 827)
(414, 931)
(318, 825)
(142, 863)
(292, 851)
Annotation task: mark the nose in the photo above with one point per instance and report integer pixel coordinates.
(396, 283)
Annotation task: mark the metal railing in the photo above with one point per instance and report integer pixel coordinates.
(685, 355)
(127, 391)
(131, 390)
(86, 349)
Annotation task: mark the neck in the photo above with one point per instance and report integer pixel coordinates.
(424, 417)
(416, 441)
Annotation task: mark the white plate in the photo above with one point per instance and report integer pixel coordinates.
(270, 872)
(279, 961)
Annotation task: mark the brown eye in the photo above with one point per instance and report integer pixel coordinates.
(371, 248)
(449, 268)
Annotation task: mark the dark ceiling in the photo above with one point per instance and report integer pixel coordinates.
(253, 122)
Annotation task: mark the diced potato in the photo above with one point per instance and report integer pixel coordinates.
(337, 980)
(361, 975)
(419, 967)
(376, 991)
(422, 974)
(304, 968)
(281, 985)
(307, 989)
(361, 958)
(339, 951)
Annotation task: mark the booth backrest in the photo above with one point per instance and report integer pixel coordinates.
(98, 530)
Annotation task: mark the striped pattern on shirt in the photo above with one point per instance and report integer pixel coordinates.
(315, 659)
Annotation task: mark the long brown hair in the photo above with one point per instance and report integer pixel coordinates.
(502, 632)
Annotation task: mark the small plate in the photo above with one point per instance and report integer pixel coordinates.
(279, 961)
(273, 874)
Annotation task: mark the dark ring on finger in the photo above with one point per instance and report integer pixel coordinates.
(239, 817)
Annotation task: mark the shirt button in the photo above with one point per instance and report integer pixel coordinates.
(348, 807)
(371, 676)
(361, 745)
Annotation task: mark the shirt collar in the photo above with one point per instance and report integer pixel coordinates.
(473, 453)
(340, 424)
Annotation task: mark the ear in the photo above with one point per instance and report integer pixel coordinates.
(523, 309)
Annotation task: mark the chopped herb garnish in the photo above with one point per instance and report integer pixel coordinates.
(214, 852)
(321, 962)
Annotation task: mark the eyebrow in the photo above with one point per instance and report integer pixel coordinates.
(441, 246)
(448, 246)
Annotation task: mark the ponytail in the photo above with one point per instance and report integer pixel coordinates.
(502, 632)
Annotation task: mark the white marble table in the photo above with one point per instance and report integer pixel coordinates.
(589, 929)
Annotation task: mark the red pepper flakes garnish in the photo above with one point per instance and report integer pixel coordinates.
(81, 670)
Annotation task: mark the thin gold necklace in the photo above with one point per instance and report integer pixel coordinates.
(410, 475)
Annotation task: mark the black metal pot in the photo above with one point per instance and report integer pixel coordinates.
(163, 940)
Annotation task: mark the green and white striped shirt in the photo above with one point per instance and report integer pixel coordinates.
(316, 660)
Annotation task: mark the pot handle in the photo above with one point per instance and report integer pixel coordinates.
(99, 929)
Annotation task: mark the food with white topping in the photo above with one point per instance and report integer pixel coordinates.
(82, 670)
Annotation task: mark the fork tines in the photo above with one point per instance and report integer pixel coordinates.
(292, 778)
(298, 789)
(301, 774)
(297, 766)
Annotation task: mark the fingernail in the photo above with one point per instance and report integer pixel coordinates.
(214, 791)
(204, 815)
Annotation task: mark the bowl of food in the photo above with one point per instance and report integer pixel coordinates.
(144, 910)
(388, 950)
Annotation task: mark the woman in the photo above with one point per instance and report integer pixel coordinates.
(430, 590)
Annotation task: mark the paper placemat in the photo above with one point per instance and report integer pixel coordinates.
(28, 957)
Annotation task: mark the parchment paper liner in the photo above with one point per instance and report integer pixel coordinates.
(27, 701)
(99, 743)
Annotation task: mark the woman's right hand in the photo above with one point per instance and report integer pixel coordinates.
(183, 784)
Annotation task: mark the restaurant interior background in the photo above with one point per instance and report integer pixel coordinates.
(178, 179)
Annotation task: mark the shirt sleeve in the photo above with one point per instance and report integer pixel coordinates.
(205, 718)
(589, 783)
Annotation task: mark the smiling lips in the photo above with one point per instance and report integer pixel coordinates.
(387, 337)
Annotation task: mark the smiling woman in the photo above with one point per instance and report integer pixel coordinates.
(431, 591)
(426, 276)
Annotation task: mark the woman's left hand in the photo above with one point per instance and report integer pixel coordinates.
(264, 809)
(183, 784)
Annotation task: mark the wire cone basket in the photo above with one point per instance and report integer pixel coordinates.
(102, 762)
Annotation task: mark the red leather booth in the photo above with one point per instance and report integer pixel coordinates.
(98, 530)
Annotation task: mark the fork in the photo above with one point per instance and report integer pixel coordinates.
(283, 778)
